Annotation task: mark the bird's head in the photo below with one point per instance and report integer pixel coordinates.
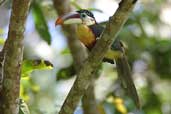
(79, 17)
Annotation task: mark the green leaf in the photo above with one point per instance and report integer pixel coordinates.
(65, 51)
(66, 73)
(40, 22)
(1, 31)
(23, 108)
(161, 57)
(28, 66)
(2, 41)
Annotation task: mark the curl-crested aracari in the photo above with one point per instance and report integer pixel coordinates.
(88, 32)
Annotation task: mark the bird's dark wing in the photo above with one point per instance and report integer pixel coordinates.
(96, 29)
(121, 63)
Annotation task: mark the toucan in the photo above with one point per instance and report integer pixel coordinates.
(88, 31)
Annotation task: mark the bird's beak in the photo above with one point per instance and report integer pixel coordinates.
(71, 18)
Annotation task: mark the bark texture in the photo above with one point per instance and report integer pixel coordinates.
(89, 101)
(1, 64)
(12, 58)
(94, 60)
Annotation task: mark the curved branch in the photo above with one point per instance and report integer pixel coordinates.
(94, 60)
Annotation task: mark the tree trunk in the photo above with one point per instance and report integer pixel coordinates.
(13, 54)
(89, 101)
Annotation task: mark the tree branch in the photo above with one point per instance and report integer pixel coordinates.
(89, 101)
(13, 54)
(1, 64)
(94, 60)
(78, 52)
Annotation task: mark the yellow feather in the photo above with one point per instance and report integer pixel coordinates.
(85, 35)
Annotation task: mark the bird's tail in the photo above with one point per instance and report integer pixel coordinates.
(124, 72)
(125, 75)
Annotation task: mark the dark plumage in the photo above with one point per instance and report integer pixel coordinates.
(96, 29)
(87, 12)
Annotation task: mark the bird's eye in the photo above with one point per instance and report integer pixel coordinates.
(83, 15)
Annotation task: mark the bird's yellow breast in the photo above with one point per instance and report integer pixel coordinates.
(86, 36)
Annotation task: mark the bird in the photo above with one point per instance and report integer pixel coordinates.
(88, 32)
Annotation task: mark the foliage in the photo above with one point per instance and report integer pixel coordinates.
(40, 22)
(1, 39)
(28, 66)
(27, 84)
(65, 73)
